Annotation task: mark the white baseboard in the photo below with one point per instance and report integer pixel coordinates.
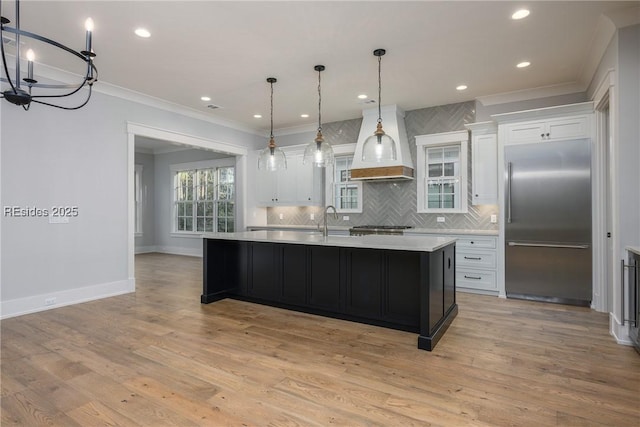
(618, 331)
(177, 250)
(145, 249)
(33, 304)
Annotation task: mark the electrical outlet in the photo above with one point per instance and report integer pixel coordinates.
(345, 217)
(50, 301)
(494, 219)
(312, 216)
(440, 219)
(281, 216)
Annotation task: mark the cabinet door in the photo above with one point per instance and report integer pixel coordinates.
(364, 276)
(436, 289)
(401, 295)
(294, 277)
(264, 273)
(449, 268)
(518, 133)
(266, 187)
(286, 183)
(309, 184)
(567, 128)
(324, 277)
(484, 151)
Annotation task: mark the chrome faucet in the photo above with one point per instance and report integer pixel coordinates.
(325, 230)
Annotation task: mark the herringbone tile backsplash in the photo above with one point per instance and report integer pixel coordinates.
(394, 202)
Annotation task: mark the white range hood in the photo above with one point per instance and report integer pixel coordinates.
(393, 125)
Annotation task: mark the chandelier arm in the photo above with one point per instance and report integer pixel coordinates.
(64, 108)
(4, 61)
(46, 40)
(48, 86)
(64, 94)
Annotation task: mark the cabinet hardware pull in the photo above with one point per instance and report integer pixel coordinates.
(548, 245)
(635, 288)
(473, 257)
(509, 174)
(472, 277)
(542, 135)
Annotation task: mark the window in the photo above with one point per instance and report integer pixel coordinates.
(442, 172)
(204, 199)
(138, 189)
(347, 194)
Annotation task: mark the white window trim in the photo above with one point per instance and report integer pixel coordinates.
(178, 167)
(341, 150)
(423, 142)
(139, 200)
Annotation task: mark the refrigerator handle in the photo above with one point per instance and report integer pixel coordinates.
(509, 172)
(622, 293)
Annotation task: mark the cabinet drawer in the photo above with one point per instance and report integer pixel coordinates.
(475, 279)
(470, 242)
(480, 259)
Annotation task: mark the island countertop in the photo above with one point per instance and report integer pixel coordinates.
(403, 243)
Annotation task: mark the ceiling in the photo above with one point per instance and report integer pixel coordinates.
(227, 49)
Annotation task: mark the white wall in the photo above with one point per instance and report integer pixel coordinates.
(146, 242)
(78, 158)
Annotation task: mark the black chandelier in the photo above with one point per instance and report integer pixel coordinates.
(20, 89)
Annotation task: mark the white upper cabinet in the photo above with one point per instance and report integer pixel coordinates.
(298, 185)
(546, 124)
(484, 163)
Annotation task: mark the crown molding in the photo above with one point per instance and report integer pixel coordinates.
(56, 74)
(533, 93)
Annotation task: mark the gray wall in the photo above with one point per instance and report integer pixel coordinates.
(395, 202)
(51, 157)
(164, 240)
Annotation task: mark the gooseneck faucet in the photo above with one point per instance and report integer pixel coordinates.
(325, 230)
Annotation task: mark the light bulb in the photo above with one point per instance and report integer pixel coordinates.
(378, 150)
(30, 55)
(88, 24)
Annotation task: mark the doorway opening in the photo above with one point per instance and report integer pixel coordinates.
(160, 162)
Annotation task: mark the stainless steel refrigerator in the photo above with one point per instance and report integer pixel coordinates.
(548, 221)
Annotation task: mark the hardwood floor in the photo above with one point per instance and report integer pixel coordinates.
(160, 358)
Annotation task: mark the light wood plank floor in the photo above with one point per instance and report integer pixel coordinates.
(160, 358)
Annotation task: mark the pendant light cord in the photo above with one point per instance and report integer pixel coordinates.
(319, 104)
(271, 131)
(379, 90)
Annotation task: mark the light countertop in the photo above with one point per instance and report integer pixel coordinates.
(403, 243)
(634, 249)
(445, 231)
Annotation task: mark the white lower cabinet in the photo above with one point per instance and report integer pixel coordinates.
(476, 264)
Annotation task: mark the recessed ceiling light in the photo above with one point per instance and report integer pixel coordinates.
(461, 87)
(142, 32)
(304, 116)
(205, 98)
(257, 116)
(523, 64)
(519, 14)
(362, 96)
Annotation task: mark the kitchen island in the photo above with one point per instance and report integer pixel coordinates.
(399, 282)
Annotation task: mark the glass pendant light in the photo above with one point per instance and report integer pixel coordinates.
(379, 147)
(318, 152)
(272, 158)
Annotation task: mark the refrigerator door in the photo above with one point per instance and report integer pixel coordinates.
(548, 221)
